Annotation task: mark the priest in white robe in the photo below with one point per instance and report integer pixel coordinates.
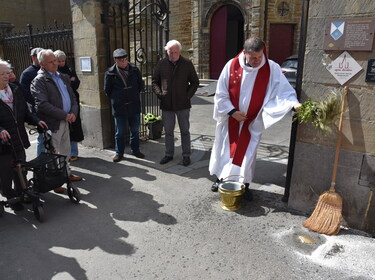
(252, 94)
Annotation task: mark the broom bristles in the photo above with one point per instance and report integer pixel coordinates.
(327, 215)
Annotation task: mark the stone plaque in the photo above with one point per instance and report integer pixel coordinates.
(349, 34)
(370, 74)
(344, 68)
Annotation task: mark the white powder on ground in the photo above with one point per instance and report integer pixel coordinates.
(349, 252)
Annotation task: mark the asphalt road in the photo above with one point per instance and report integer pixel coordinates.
(141, 220)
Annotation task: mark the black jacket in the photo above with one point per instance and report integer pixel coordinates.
(76, 132)
(124, 101)
(14, 120)
(25, 80)
(48, 100)
(181, 82)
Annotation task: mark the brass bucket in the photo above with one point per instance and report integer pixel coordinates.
(231, 195)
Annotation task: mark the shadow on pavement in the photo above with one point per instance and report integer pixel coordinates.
(98, 223)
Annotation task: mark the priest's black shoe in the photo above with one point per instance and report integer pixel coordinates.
(247, 194)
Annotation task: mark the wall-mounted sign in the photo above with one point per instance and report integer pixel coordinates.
(344, 68)
(349, 34)
(85, 64)
(370, 73)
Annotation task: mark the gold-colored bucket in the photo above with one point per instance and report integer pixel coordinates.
(231, 195)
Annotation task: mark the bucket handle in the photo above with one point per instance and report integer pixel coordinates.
(223, 179)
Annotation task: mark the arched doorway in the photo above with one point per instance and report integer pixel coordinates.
(226, 37)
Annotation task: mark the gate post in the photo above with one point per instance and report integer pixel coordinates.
(90, 46)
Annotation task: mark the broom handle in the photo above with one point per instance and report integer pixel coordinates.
(343, 103)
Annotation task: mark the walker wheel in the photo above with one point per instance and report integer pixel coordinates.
(74, 194)
(38, 212)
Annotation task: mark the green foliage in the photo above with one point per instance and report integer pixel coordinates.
(321, 115)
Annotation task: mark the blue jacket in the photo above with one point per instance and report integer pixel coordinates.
(124, 101)
(25, 80)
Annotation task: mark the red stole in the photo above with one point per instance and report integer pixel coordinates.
(239, 140)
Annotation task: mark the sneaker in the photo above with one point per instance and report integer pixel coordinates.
(18, 206)
(74, 178)
(73, 159)
(186, 161)
(59, 190)
(138, 155)
(117, 158)
(165, 159)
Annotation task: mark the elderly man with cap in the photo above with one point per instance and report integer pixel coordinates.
(123, 84)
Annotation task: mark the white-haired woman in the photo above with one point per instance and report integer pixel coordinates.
(14, 112)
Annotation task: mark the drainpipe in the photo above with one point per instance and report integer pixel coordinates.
(167, 24)
(265, 21)
(301, 59)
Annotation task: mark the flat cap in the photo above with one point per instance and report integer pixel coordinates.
(35, 51)
(120, 53)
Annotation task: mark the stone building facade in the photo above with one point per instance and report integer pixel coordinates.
(199, 25)
(17, 14)
(191, 24)
(315, 152)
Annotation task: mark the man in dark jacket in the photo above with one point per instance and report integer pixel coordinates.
(55, 104)
(123, 84)
(29, 74)
(175, 82)
(25, 80)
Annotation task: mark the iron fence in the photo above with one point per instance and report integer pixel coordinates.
(17, 46)
(140, 27)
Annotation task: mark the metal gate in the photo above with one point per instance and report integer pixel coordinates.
(140, 27)
(17, 46)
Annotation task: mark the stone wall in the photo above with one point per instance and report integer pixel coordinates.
(180, 24)
(39, 13)
(89, 41)
(315, 151)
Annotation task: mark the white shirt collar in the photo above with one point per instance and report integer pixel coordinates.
(249, 68)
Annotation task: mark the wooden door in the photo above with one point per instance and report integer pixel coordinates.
(226, 37)
(281, 42)
(218, 42)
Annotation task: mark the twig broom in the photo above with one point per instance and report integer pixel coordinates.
(327, 215)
